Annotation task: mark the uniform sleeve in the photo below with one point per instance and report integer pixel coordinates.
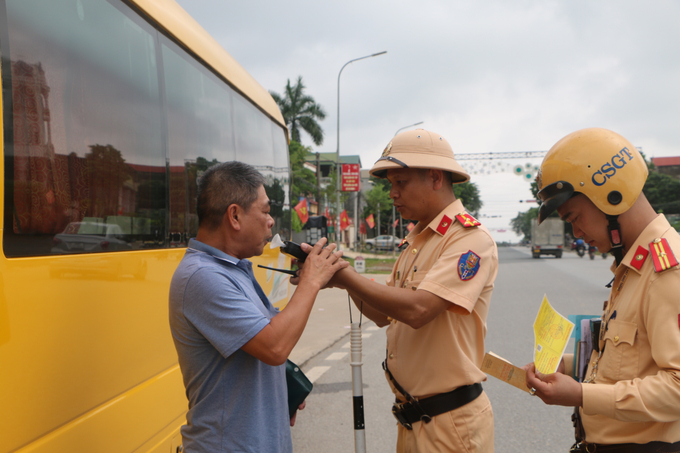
(655, 397)
(221, 311)
(466, 266)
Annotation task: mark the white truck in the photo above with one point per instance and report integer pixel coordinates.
(547, 238)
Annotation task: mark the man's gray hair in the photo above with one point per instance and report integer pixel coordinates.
(223, 185)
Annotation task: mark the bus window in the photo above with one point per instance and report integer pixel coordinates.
(85, 132)
(209, 123)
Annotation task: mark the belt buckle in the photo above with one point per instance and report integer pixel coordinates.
(583, 446)
(397, 412)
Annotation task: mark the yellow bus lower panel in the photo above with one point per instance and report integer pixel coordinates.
(149, 403)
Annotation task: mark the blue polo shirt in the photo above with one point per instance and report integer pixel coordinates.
(236, 402)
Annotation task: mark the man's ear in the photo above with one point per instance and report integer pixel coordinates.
(232, 217)
(437, 178)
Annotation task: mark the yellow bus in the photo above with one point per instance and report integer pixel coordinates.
(111, 111)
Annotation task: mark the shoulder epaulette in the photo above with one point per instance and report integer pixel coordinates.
(662, 255)
(467, 220)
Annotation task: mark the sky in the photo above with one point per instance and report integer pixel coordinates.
(489, 76)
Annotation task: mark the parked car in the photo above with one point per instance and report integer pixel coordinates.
(383, 242)
(79, 237)
(85, 237)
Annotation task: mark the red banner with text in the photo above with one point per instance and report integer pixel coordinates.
(351, 175)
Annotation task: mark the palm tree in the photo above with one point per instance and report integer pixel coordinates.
(300, 112)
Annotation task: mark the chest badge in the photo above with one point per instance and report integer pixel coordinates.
(444, 225)
(662, 255)
(468, 265)
(467, 220)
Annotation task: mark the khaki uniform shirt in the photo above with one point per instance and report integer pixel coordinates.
(635, 396)
(459, 265)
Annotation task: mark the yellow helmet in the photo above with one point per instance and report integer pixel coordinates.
(600, 164)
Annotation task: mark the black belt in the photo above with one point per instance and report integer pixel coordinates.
(423, 410)
(652, 447)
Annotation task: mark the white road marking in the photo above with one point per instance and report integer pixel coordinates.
(336, 356)
(316, 372)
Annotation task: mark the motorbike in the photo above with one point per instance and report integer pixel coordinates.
(580, 248)
(591, 252)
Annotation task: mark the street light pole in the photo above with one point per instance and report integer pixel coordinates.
(406, 127)
(337, 151)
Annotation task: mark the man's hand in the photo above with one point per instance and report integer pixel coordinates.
(320, 265)
(554, 389)
(294, 417)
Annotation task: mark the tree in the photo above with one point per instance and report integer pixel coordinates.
(379, 197)
(304, 180)
(468, 194)
(300, 112)
(521, 224)
(663, 192)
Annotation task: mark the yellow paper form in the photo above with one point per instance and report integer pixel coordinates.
(551, 334)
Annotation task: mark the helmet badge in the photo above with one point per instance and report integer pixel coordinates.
(387, 150)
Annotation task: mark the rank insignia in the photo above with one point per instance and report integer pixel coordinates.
(639, 258)
(467, 220)
(662, 255)
(403, 243)
(468, 265)
(444, 225)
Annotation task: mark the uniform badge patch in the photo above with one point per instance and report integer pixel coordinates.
(468, 265)
(444, 225)
(639, 258)
(467, 220)
(662, 255)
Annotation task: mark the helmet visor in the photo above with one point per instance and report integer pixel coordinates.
(552, 197)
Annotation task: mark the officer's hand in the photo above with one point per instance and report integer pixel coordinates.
(294, 417)
(554, 389)
(321, 263)
(337, 280)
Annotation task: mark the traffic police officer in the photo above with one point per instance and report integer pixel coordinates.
(630, 399)
(435, 303)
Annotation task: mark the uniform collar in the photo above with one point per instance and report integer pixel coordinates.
(451, 211)
(656, 229)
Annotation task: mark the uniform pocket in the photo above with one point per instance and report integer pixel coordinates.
(621, 355)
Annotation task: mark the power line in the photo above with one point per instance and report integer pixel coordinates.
(510, 155)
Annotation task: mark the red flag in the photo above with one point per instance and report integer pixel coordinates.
(344, 220)
(410, 226)
(370, 221)
(302, 211)
(327, 214)
(396, 222)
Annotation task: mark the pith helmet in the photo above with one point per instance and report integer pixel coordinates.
(419, 149)
(598, 163)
